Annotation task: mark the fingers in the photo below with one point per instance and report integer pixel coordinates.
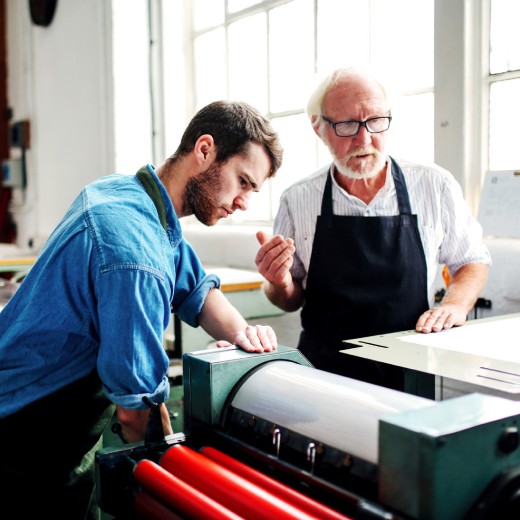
(275, 258)
(256, 338)
(223, 343)
(439, 318)
(262, 237)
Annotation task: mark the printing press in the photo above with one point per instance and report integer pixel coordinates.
(269, 436)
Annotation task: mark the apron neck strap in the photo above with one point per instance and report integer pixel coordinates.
(400, 188)
(403, 200)
(150, 186)
(326, 201)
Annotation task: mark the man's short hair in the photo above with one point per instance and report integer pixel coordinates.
(233, 125)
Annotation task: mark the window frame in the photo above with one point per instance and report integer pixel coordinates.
(461, 89)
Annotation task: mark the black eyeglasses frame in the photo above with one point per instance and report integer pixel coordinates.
(364, 123)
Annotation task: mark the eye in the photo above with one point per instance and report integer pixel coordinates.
(244, 182)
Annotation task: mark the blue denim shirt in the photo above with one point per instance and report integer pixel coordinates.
(100, 293)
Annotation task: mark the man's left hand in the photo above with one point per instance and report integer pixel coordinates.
(441, 318)
(255, 338)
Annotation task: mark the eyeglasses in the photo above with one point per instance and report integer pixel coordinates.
(374, 125)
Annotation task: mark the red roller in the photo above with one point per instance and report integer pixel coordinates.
(183, 498)
(231, 490)
(146, 506)
(273, 486)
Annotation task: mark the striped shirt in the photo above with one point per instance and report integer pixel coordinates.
(449, 233)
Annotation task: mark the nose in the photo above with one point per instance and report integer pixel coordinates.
(363, 137)
(242, 201)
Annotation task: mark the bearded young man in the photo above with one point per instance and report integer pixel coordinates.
(84, 331)
(357, 244)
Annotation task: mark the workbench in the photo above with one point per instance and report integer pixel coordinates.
(18, 264)
(479, 356)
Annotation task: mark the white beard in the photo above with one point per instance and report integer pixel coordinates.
(351, 174)
(341, 163)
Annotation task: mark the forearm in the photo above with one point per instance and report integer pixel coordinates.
(465, 286)
(135, 422)
(219, 318)
(464, 289)
(289, 297)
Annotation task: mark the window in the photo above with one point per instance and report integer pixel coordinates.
(269, 52)
(504, 85)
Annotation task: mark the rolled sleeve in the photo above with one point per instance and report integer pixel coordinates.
(132, 361)
(463, 242)
(192, 284)
(191, 307)
(135, 401)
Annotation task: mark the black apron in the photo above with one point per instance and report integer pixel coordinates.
(47, 452)
(367, 276)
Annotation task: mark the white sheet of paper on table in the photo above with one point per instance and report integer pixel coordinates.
(494, 339)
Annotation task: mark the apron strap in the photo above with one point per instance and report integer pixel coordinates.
(400, 188)
(326, 201)
(150, 186)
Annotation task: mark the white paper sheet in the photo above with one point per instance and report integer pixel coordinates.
(498, 339)
(499, 209)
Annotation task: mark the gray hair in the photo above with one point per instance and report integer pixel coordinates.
(315, 103)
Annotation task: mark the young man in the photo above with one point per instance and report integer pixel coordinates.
(85, 328)
(358, 243)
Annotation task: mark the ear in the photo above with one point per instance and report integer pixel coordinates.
(315, 122)
(204, 149)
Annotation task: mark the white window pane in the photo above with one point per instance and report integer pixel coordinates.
(411, 133)
(341, 43)
(210, 67)
(207, 13)
(402, 40)
(300, 149)
(291, 51)
(176, 110)
(504, 41)
(504, 114)
(247, 41)
(131, 90)
(238, 5)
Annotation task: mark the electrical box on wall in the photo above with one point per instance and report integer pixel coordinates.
(21, 135)
(12, 173)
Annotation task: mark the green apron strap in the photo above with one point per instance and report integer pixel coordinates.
(154, 193)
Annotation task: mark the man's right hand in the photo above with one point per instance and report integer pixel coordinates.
(275, 258)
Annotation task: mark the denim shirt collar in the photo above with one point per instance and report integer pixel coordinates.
(174, 230)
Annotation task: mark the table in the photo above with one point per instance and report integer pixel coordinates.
(481, 355)
(16, 264)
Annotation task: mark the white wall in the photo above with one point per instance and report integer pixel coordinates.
(59, 78)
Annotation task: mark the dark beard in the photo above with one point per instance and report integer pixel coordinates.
(199, 195)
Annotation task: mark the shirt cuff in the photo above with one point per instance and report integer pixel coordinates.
(191, 308)
(135, 401)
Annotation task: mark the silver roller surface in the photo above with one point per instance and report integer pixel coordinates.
(338, 411)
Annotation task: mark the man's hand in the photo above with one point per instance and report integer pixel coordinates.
(441, 318)
(255, 338)
(463, 290)
(275, 258)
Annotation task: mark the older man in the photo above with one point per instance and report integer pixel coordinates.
(357, 244)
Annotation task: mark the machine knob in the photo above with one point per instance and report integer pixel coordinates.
(509, 439)
(118, 430)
